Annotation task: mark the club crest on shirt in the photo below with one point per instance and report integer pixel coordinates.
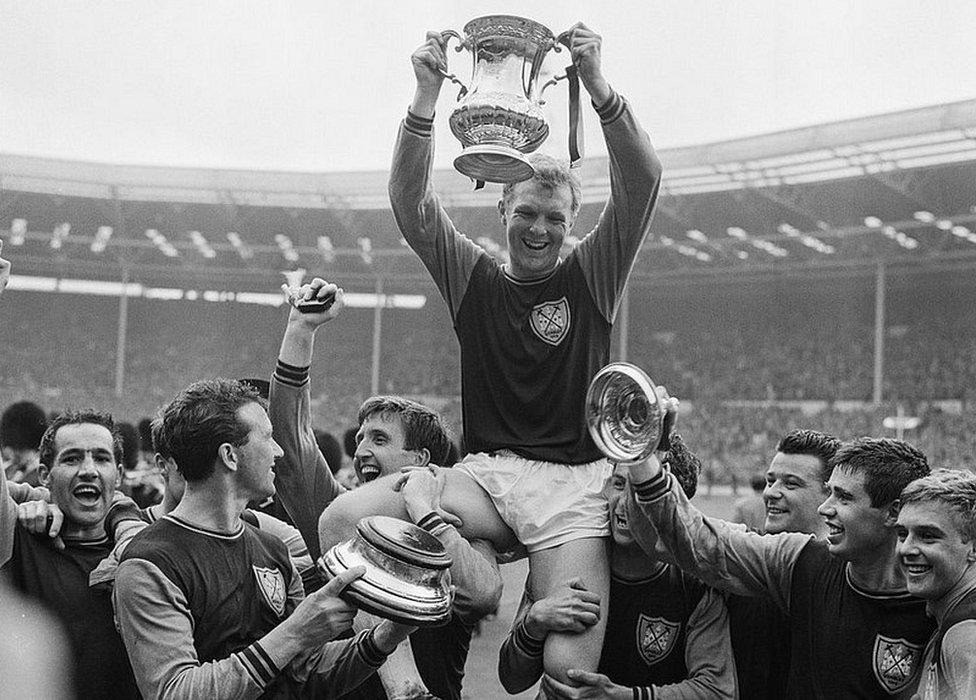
(656, 637)
(895, 661)
(272, 586)
(550, 320)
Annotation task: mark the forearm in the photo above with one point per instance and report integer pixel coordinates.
(711, 550)
(340, 665)
(474, 571)
(303, 480)
(23, 492)
(8, 521)
(520, 658)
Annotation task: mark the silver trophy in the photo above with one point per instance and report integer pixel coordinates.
(499, 118)
(624, 413)
(407, 578)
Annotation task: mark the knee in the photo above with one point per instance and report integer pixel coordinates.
(337, 522)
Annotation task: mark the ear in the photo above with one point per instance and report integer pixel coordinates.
(501, 212)
(971, 554)
(118, 475)
(228, 455)
(421, 457)
(891, 513)
(45, 475)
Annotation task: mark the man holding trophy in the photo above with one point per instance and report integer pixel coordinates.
(532, 334)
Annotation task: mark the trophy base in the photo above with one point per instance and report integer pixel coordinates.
(494, 163)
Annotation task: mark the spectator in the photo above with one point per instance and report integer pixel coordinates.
(21, 427)
(751, 510)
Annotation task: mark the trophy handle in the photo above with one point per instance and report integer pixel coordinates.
(564, 38)
(448, 34)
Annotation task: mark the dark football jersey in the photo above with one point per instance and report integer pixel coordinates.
(59, 579)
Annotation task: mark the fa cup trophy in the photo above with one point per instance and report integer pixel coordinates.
(407, 578)
(499, 118)
(624, 413)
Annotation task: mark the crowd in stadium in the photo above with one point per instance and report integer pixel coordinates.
(199, 552)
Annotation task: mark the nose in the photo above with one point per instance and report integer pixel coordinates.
(826, 508)
(278, 451)
(772, 492)
(87, 466)
(361, 450)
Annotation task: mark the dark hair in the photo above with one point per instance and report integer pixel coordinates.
(422, 426)
(813, 443)
(200, 419)
(888, 466)
(551, 174)
(22, 425)
(330, 449)
(684, 464)
(757, 482)
(954, 490)
(47, 448)
(349, 442)
(130, 445)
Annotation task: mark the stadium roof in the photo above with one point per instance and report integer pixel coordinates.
(898, 187)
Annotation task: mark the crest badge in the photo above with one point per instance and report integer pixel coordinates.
(272, 586)
(550, 320)
(895, 662)
(656, 637)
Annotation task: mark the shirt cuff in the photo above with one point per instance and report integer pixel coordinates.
(526, 643)
(258, 664)
(420, 126)
(369, 651)
(654, 488)
(290, 374)
(611, 110)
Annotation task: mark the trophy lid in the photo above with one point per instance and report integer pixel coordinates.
(404, 541)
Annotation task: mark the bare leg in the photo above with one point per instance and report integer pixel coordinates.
(586, 559)
(398, 674)
(462, 496)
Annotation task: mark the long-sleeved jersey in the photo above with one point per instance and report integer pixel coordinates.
(59, 580)
(949, 664)
(667, 637)
(845, 641)
(530, 349)
(193, 605)
(306, 486)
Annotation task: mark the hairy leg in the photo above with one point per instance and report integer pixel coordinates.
(586, 559)
(462, 496)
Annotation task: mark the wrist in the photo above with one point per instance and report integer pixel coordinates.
(388, 635)
(534, 627)
(599, 90)
(425, 101)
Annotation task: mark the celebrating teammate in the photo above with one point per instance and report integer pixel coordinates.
(532, 334)
(937, 546)
(667, 634)
(855, 631)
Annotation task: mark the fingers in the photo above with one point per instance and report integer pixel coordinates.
(450, 518)
(576, 584)
(555, 689)
(402, 479)
(339, 583)
(586, 677)
(57, 519)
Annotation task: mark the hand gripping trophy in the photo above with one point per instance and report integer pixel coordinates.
(499, 118)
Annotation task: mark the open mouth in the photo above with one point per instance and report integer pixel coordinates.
(368, 472)
(916, 569)
(88, 494)
(535, 245)
(834, 532)
(772, 511)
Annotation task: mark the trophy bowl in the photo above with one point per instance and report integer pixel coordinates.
(407, 578)
(499, 119)
(623, 413)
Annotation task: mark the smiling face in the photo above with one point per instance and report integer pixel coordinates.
(537, 219)
(855, 528)
(83, 477)
(794, 489)
(380, 448)
(931, 549)
(257, 456)
(619, 525)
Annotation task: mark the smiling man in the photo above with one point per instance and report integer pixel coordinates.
(211, 606)
(937, 546)
(855, 631)
(532, 334)
(80, 462)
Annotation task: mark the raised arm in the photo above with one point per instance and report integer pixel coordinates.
(607, 253)
(303, 480)
(448, 256)
(713, 550)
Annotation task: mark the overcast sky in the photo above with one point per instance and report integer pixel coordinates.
(319, 85)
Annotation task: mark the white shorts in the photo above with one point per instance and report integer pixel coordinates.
(546, 504)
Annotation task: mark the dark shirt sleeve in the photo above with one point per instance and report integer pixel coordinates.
(520, 662)
(303, 481)
(8, 522)
(607, 253)
(449, 256)
(719, 553)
